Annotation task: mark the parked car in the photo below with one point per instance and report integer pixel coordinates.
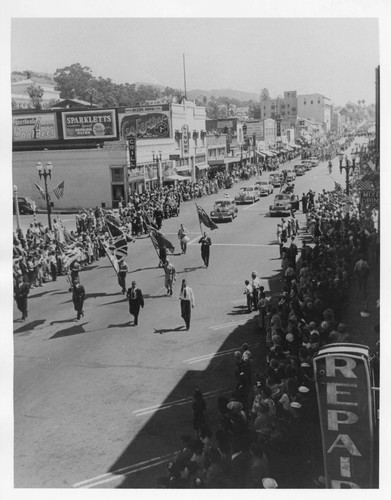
(247, 194)
(275, 180)
(314, 161)
(299, 170)
(290, 175)
(307, 164)
(26, 205)
(283, 204)
(224, 210)
(264, 188)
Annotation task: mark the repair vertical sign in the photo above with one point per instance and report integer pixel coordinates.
(344, 391)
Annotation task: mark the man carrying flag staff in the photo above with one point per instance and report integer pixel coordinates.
(206, 243)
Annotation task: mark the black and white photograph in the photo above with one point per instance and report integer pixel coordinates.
(191, 292)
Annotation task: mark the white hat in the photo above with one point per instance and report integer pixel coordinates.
(269, 482)
(295, 405)
(303, 389)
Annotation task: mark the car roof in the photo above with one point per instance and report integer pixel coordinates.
(224, 200)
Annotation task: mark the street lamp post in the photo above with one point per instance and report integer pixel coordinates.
(45, 172)
(347, 167)
(158, 159)
(16, 206)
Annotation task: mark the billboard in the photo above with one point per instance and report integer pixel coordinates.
(34, 127)
(146, 122)
(344, 389)
(94, 124)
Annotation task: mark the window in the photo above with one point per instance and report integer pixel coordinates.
(288, 105)
(282, 106)
(117, 175)
(318, 101)
(273, 106)
(282, 113)
(312, 102)
(305, 102)
(293, 110)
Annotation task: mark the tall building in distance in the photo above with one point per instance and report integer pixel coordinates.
(315, 107)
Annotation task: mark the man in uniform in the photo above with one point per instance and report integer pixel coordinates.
(78, 297)
(170, 276)
(122, 272)
(206, 243)
(136, 300)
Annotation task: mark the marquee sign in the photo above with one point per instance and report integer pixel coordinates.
(343, 384)
(132, 152)
(146, 122)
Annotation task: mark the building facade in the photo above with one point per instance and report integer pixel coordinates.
(103, 155)
(21, 99)
(315, 107)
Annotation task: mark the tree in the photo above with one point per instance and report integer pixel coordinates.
(72, 81)
(35, 92)
(265, 94)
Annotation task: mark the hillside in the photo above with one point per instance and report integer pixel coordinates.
(231, 93)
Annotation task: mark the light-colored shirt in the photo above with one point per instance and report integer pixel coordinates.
(187, 294)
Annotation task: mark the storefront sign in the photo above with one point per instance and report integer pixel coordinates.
(185, 140)
(89, 124)
(343, 385)
(34, 127)
(132, 149)
(368, 197)
(146, 122)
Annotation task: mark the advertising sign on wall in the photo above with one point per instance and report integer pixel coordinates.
(34, 127)
(132, 149)
(94, 124)
(146, 122)
(343, 386)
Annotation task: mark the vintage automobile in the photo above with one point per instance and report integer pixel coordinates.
(290, 175)
(249, 194)
(283, 204)
(307, 164)
(264, 188)
(275, 180)
(224, 210)
(299, 170)
(25, 205)
(314, 161)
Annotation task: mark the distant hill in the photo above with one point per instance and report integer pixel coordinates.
(16, 76)
(233, 94)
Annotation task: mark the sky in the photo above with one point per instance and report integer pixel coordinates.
(335, 57)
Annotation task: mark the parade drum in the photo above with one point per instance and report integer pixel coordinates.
(185, 239)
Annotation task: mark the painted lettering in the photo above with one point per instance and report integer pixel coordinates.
(344, 463)
(345, 443)
(334, 419)
(346, 369)
(333, 393)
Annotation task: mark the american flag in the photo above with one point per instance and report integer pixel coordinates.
(59, 190)
(364, 185)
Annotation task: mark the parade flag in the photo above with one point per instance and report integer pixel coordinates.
(40, 190)
(119, 243)
(205, 219)
(59, 190)
(112, 258)
(338, 188)
(148, 220)
(364, 185)
(159, 240)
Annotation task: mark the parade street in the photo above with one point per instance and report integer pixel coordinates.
(100, 403)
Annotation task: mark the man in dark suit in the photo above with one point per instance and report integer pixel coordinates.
(136, 300)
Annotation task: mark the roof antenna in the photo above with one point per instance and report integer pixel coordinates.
(184, 74)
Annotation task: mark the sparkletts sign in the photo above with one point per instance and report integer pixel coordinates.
(146, 122)
(343, 384)
(95, 124)
(34, 127)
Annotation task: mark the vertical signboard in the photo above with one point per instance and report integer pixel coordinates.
(344, 390)
(185, 140)
(132, 150)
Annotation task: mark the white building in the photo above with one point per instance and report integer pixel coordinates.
(21, 98)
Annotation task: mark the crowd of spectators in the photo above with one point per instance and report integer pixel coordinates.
(268, 432)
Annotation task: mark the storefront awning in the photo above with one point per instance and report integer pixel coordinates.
(268, 153)
(235, 159)
(288, 148)
(183, 168)
(202, 166)
(264, 155)
(176, 177)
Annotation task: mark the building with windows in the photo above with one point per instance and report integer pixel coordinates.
(20, 96)
(102, 155)
(285, 106)
(315, 107)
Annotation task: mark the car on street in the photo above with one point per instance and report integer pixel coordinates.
(314, 161)
(307, 164)
(264, 188)
(283, 204)
(26, 205)
(290, 175)
(275, 180)
(224, 210)
(249, 194)
(299, 170)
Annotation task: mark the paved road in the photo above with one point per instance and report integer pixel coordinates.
(101, 404)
